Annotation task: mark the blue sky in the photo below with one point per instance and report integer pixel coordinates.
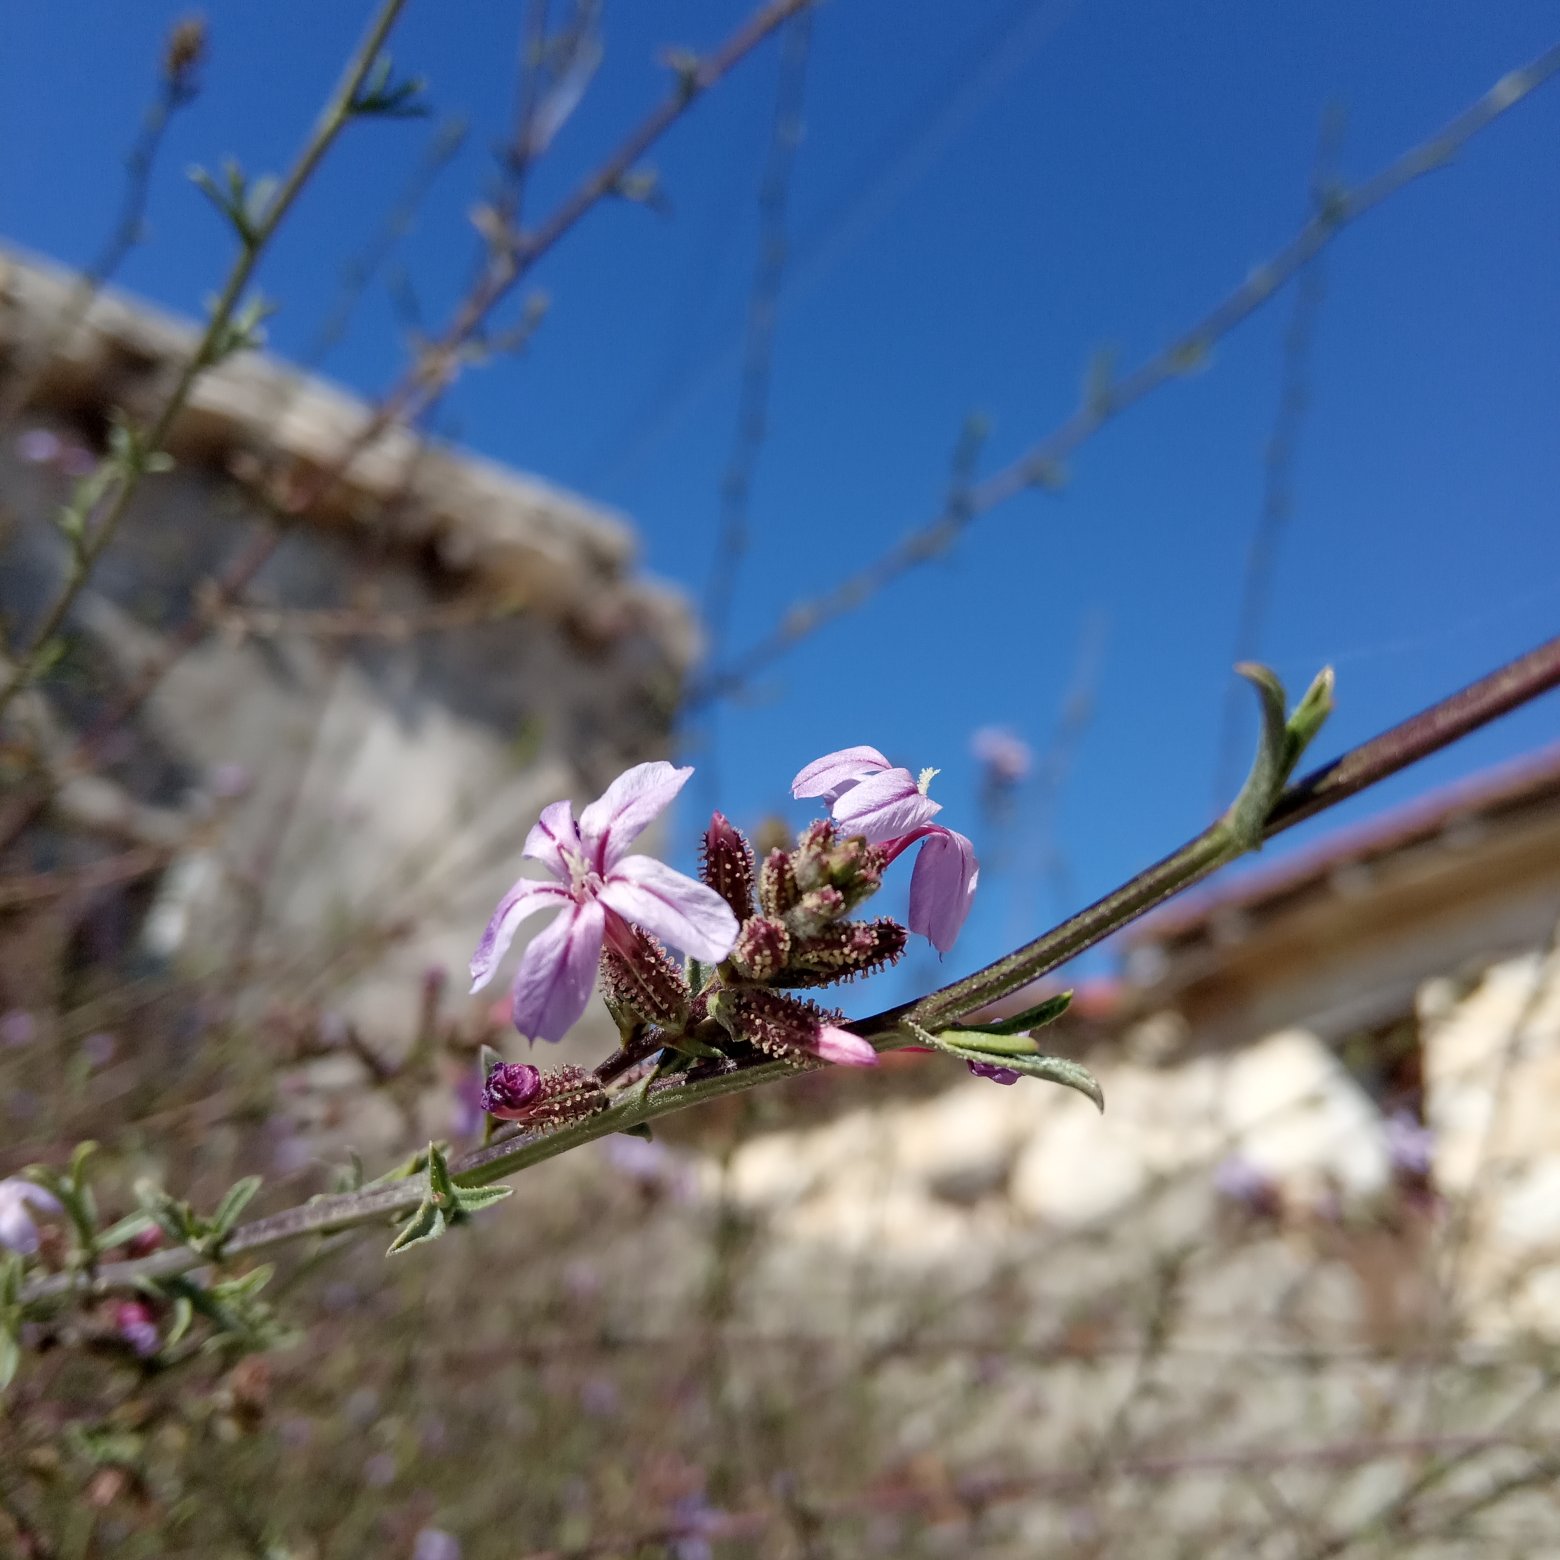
(986, 194)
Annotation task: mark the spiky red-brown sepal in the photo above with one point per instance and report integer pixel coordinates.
(727, 865)
(639, 975)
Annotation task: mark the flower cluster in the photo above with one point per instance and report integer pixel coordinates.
(753, 933)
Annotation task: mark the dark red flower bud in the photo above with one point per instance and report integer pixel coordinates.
(763, 949)
(816, 910)
(510, 1088)
(638, 974)
(810, 859)
(845, 950)
(728, 865)
(568, 1094)
(790, 1028)
(777, 890)
(516, 1091)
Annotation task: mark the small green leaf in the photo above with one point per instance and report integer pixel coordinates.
(380, 97)
(234, 1203)
(183, 1316)
(990, 1042)
(230, 195)
(1050, 1069)
(688, 1046)
(1037, 1017)
(10, 1281)
(10, 1359)
(470, 1198)
(1283, 739)
(992, 1050)
(427, 1223)
(124, 1230)
(172, 1217)
(488, 1059)
(441, 1188)
(246, 1285)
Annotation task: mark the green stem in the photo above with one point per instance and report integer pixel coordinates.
(333, 117)
(1517, 683)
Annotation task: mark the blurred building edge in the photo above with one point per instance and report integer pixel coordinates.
(1341, 936)
(1353, 1053)
(436, 648)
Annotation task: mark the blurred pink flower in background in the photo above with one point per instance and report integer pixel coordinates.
(1006, 758)
(19, 1200)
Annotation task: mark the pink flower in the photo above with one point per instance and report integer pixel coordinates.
(843, 1048)
(598, 888)
(890, 807)
(136, 1324)
(18, 1199)
(867, 795)
(991, 1070)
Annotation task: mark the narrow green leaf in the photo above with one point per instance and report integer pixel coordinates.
(1283, 739)
(441, 1186)
(246, 1285)
(470, 1198)
(125, 1229)
(1037, 1017)
(688, 1046)
(183, 1318)
(10, 1281)
(989, 1042)
(427, 1223)
(237, 1199)
(1050, 1069)
(10, 1359)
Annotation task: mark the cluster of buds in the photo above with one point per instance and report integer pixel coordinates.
(797, 933)
(793, 930)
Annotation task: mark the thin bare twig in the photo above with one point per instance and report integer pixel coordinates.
(177, 87)
(1042, 466)
(732, 539)
(101, 530)
(433, 372)
(1278, 462)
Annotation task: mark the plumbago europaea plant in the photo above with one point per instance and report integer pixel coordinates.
(759, 938)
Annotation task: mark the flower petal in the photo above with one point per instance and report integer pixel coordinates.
(835, 773)
(678, 910)
(843, 1048)
(942, 886)
(884, 807)
(626, 808)
(557, 972)
(518, 905)
(40, 1197)
(990, 1070)
(17, 1232)
(551, 835)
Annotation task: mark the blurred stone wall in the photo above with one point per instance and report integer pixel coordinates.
(433, 651)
